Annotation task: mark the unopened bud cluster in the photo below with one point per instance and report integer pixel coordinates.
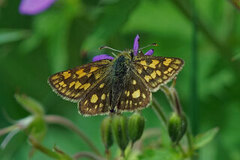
(123, 130)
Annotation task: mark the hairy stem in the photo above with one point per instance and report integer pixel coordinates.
(54, 119)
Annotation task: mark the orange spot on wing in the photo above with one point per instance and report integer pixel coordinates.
(154, 63)
(93, 69)
(167, 61)
(85, 86)
(81, 73)
(77, 85)
(66, 75)
(55, 77)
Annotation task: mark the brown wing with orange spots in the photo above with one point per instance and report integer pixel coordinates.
(97, 100)
(156, 71)
(74, 83)
(136, 94)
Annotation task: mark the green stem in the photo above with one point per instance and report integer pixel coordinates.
(169, 96)
(189, 141)
(159, 111)
(178, 105)
(181, 149)
(173, 98)
(194, 108)
(66, 123)
(108, 154)
(43, 149)
(88, 155)
(9, 129)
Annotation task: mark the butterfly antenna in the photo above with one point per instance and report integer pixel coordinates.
(106, 47)
(114, 54)
(153, 44)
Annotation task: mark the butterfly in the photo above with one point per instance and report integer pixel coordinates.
(109, 85)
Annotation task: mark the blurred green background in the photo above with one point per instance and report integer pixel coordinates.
(206, 34)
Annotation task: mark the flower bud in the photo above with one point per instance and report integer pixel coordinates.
(119, 127)
(177, 126)
(106, 132)
(135, 126)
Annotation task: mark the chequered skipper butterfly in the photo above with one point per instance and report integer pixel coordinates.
(122, 84)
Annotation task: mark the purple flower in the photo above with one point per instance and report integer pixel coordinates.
(32, 7)
(136, 45)
(150, 52)
(135, 51)
(101, 57)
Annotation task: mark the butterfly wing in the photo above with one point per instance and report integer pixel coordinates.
(156, 71)
(136, 94)
(74, 83)
(97, 100)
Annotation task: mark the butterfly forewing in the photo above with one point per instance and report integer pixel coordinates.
(97, 101)
(74, 83)
(136, 94)
(157, 70)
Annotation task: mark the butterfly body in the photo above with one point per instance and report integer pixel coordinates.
(122, 84)
(120, 75)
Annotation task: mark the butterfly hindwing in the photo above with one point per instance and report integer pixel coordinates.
(97, 101)
(156, 71)
(135, 96)
(74, 83)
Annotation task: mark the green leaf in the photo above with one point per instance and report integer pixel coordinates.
(7, 36)
(30, 104)
(204, 138)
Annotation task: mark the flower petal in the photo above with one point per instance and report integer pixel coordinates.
(136, 45)
(32, 7)
(150, 52)
(101, 57)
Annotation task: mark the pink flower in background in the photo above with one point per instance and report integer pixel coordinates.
(32, 7)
